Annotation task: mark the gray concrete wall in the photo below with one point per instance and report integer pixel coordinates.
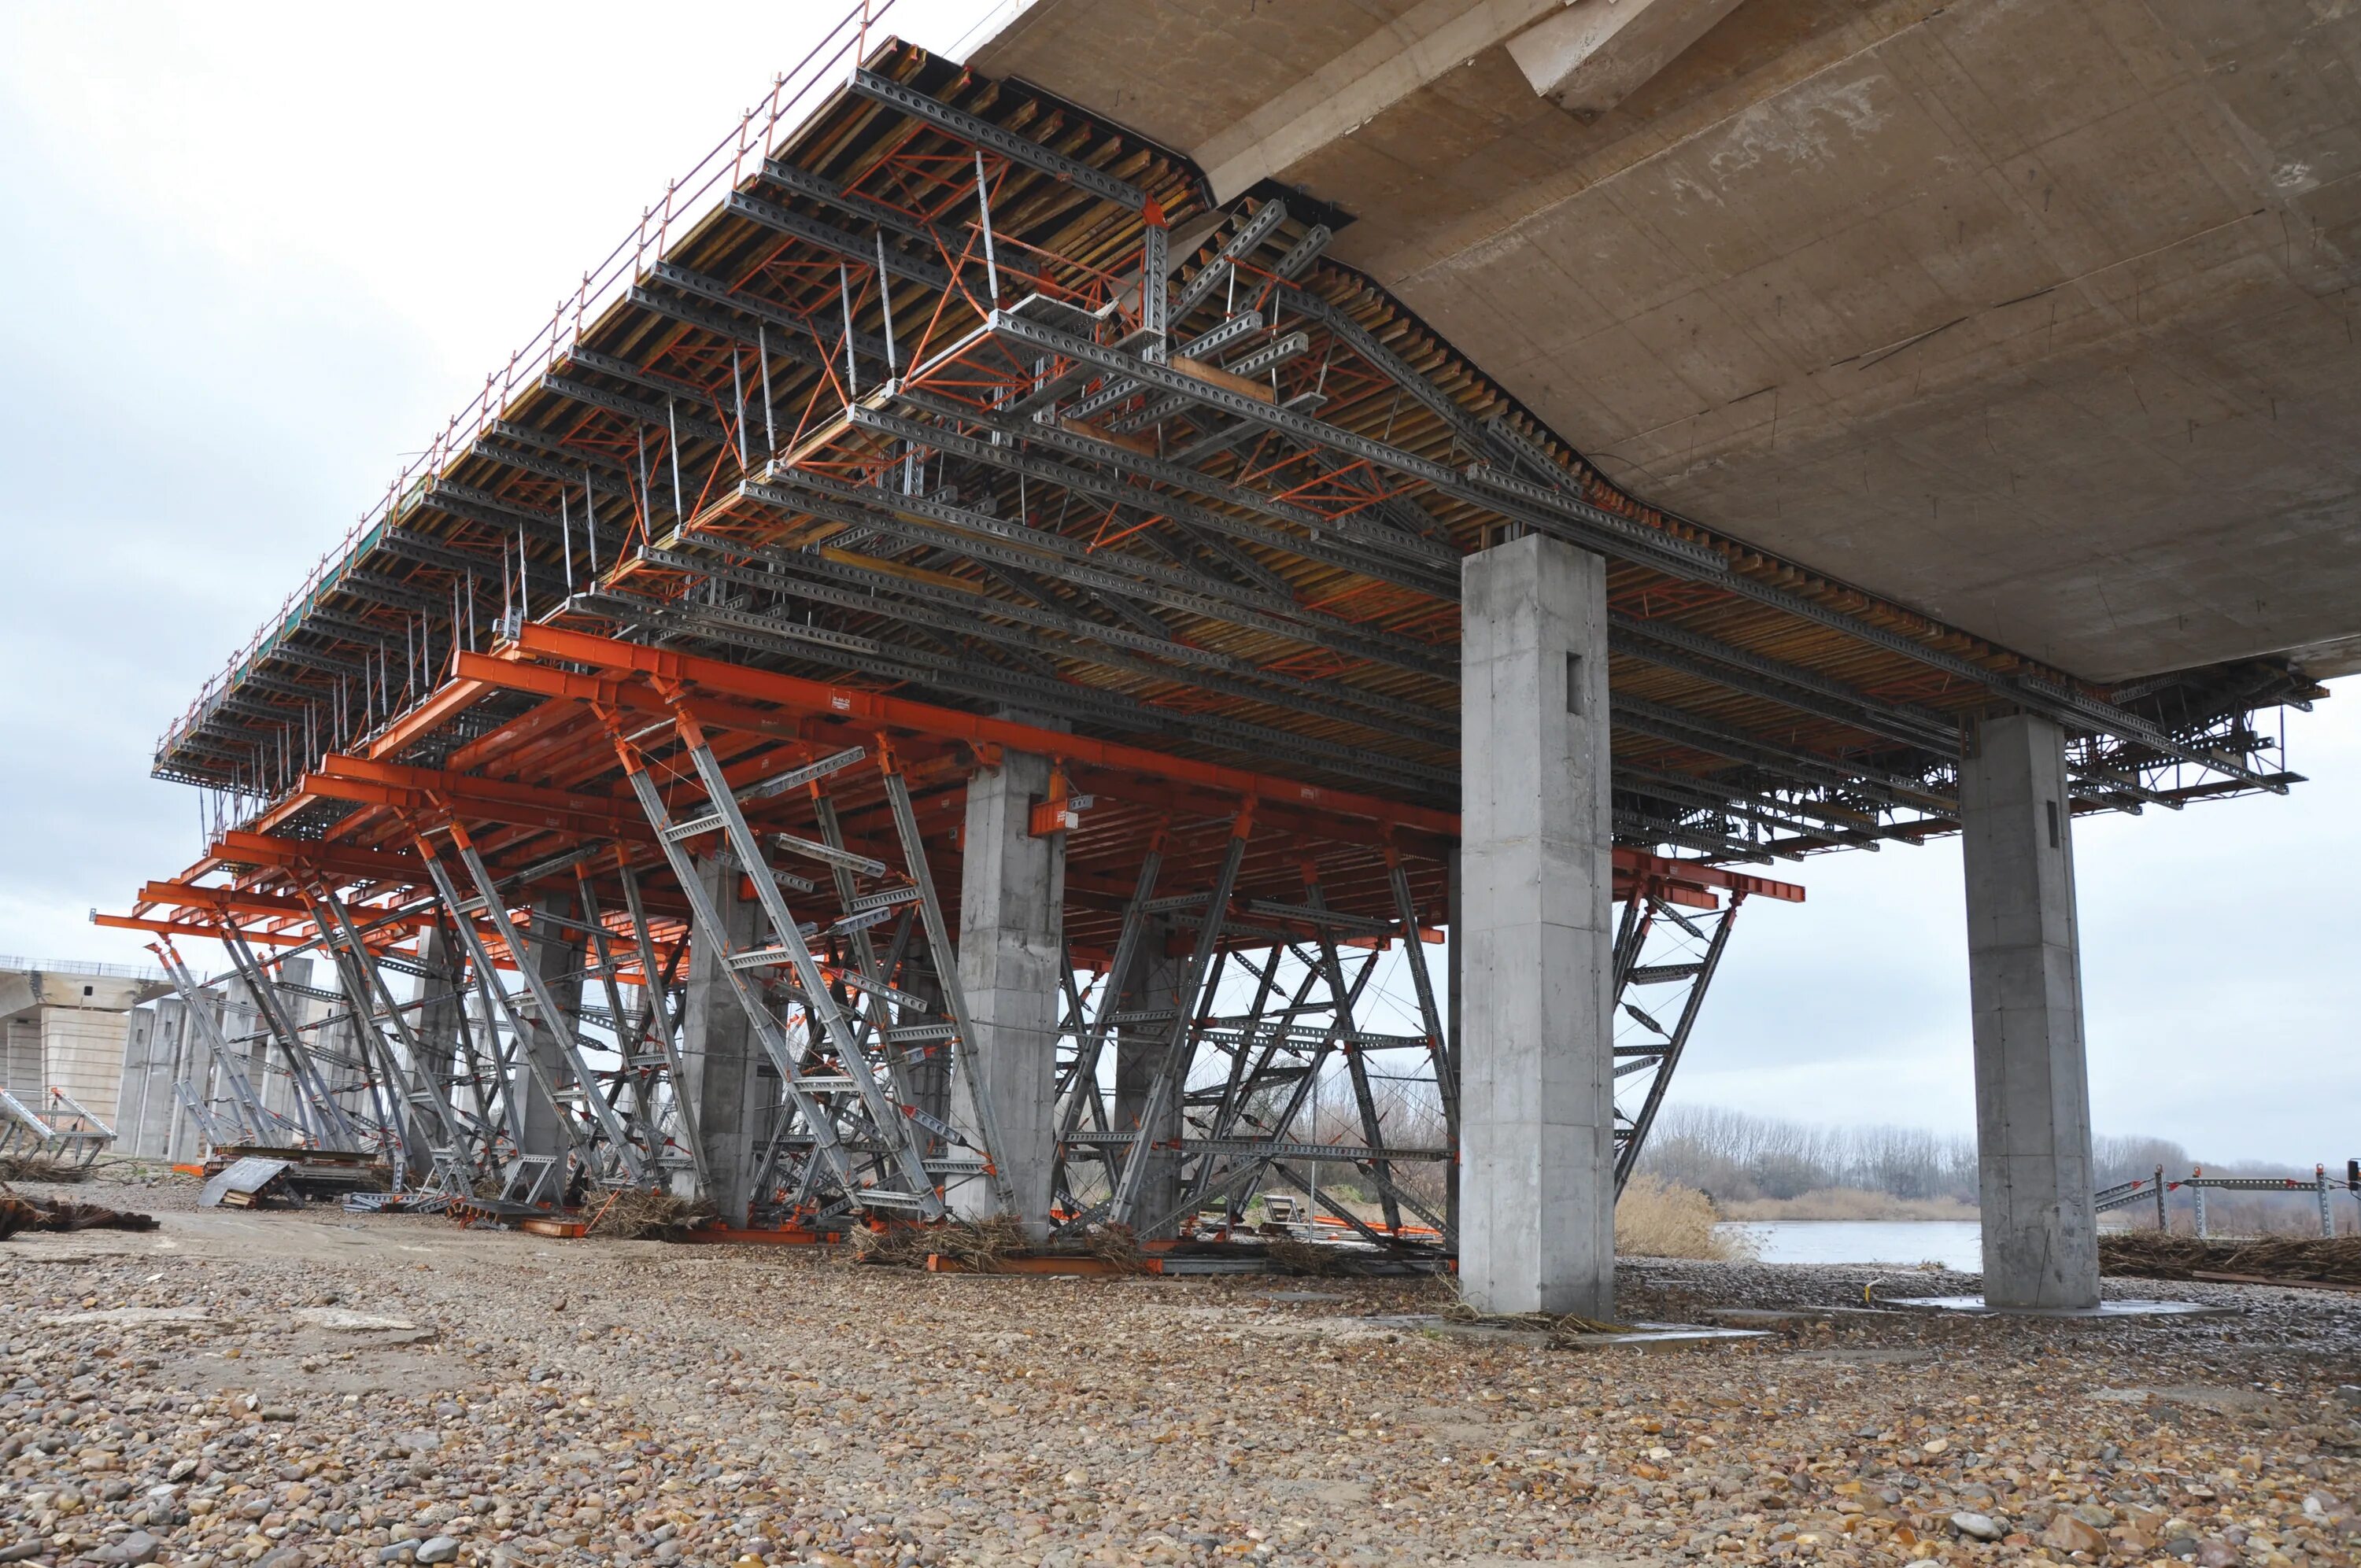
(1537, 1199)
(720, 1056)
(1012, 912)
(2025, 981)
(1153, 984)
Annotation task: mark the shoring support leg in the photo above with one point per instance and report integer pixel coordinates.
(1660, 1080)
(2024, 982)
(1012, 917)
(520, 1027)
(327, 1122)
(1123, 1205)
(407, 1066)
(655, 1022)
(1150, 981)
(1357, 1069)
(1438, 1043)
(828, 1147)
(447, 1038)
(891, 1127)
(1537, 1200)
(1083, 1092)
(225, 1064)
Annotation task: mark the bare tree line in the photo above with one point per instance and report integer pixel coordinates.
(1737, 1155)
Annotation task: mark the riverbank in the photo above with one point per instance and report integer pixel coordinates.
(1846, 1204)
(317, 1387)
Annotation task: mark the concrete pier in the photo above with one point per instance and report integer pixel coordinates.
(1537, 1200)
(1153, 985)
(2024, 979)
(719, 1057)
(1012, 912)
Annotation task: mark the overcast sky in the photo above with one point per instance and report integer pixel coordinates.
(255, 255)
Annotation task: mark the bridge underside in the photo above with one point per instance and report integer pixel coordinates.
(929, 690)
(2038, 317)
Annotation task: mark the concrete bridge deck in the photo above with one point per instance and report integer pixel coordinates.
(2037, 316)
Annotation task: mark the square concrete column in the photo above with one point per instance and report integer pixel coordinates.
(2024, 982)
(1012, 918)
(1152, 986)
(1534, 953)
(720, 1060)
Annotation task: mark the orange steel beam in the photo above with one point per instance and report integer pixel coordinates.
(343, 777)
(340, 860)
(449, 701)
(1638, 862)
(209, 933)
(854, 706)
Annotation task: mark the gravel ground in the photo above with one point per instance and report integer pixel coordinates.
(315, 1387)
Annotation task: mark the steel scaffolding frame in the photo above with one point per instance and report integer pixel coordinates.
(953, 406)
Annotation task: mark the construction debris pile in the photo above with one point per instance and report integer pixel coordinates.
(2267, 1260)
(19, 1213)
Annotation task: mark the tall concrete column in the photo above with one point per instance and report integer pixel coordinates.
(556, 953)
(720, 1060)
(1153, 985)
(1011, 913)
(1534, 953)
(2024, 982)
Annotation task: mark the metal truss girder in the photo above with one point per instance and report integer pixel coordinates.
(1326, 699)
(816, 328)
(630, 408)
(827, 237)
(1242, 244)
(1835, 827)
(922, 521)
(905, 663)
(613, 470)
(790, 346)
(1114, 389)
(381, 588)
(1593, 527)
(672, 389)
(979, 132)
(1406, 560)
(1327, 550)
(548, 467)
(1856, 710)
(307, 659)
(1683, 727)
(826, 191)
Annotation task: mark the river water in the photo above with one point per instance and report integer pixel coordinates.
(1955, 1243)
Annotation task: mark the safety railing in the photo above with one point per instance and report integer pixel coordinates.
(2157, 1187)
(686, 200)
(11, 964)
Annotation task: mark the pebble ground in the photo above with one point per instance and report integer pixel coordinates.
(313, 1387)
